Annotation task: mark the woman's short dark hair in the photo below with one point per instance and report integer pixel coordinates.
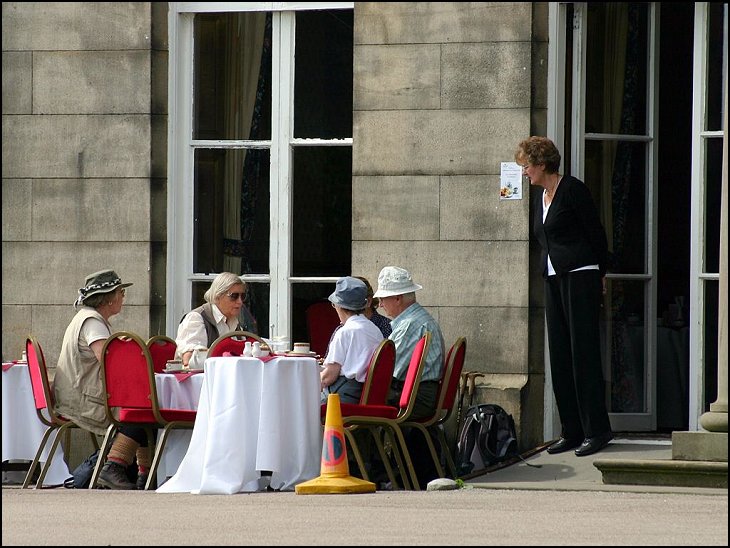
(375, 301)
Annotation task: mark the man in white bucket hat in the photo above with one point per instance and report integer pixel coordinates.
(410, 321)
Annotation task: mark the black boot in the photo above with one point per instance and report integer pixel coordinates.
(114, 476)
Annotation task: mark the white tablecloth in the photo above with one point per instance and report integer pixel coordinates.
(253, 416)
(22, 431)
(173, 394)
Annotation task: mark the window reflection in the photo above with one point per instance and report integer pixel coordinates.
(616, 57)
(322, 211)
(231, 215)
(623, 345)
(323, 79)
(232, 93)
(615, 172)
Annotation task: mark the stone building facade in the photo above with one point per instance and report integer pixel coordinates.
(442, 94)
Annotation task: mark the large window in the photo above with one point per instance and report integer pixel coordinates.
(260, 155)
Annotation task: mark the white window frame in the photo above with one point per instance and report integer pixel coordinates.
(698, 274)
(181, 147)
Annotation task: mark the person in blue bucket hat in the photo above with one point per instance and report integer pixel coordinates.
(345, 366)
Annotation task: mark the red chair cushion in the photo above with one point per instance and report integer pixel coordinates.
(358, 410)
(145, 416)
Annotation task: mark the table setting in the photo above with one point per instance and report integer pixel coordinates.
(254, 415)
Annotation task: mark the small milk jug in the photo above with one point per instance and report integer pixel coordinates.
(256, 352)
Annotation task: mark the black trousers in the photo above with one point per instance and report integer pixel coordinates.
(349, 390)
(572, 310)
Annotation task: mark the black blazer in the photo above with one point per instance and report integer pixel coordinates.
(572, 232)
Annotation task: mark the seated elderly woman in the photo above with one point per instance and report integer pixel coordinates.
(77, 383)
(219, 315)
(352, 345)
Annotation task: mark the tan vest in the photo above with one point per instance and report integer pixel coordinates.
(77, 384)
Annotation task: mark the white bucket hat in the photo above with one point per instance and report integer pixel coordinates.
(394, 280)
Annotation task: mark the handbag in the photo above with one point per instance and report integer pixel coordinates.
(81, 476)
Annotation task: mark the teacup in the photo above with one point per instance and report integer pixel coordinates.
(301, 348)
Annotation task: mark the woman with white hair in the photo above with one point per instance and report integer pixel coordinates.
(217, 316)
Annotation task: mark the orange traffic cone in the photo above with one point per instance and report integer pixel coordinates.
(334, 473)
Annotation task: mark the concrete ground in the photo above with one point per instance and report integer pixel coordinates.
(566, 472)
(561, 503)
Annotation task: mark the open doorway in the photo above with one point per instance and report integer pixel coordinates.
(630, 131)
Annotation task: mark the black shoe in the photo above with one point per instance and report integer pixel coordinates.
(114, 476)
(594, 444)
(142, 481)
(562, 445)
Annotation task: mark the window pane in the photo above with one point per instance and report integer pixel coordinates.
(713, 190)
(231, 211)
(322, 211)
(712, 288)
(616, 65)
(302, 296)
(232, 93)
(323, 77)
(615, 172)
(715, 49)
(623, 345)
(256, 319)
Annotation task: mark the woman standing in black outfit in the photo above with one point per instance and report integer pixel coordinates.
(574, 256)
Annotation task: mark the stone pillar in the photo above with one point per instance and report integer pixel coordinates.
(716, 419)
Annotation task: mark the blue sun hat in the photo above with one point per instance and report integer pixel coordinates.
(350, 293)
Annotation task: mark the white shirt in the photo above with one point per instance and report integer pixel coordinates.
(353, 345)
(191, 333)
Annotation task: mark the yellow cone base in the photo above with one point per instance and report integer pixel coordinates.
(324, 485)
(334, 473)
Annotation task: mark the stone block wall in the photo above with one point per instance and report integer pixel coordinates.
(83, 175)
(443, 92)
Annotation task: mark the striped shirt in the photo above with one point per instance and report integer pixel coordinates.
(408, 327)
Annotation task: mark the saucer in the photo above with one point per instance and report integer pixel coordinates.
(309, 354)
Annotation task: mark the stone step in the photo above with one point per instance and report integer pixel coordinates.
(665, 472)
